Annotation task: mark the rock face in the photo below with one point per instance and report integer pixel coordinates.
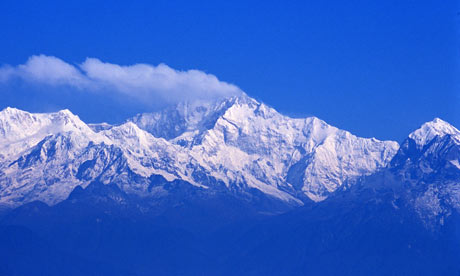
(235, 144)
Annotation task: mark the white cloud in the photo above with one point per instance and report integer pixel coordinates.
(141, 81)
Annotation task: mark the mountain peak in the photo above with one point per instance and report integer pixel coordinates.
(10, 110)
(430, 130)
(244, 99)
(186, 116)
(66, 112)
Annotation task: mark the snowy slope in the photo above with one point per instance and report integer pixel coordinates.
(237, 143)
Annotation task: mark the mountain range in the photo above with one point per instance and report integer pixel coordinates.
(235, 144)
(224, 187)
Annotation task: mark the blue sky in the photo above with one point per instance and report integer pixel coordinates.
(376, 68)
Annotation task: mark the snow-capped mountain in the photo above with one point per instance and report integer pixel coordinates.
(423, 176)
(427, 164)
(432, 149)
(241, 140)
(236, 144)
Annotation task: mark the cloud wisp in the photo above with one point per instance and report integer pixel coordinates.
(144, 82)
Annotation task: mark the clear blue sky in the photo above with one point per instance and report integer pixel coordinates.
(376, 68)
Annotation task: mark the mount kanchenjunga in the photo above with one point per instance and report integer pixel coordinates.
(236, 143)
(239, 140)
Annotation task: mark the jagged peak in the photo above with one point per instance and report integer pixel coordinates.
(431, 129)
(13, 112)
(240, 108)
(317, 122)
(243, 99)
(66, 115)
(128, 127)
(66, 112)
(215, 104)
(16, 125)
(9, 109)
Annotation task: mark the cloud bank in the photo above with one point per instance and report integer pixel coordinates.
(144, 82)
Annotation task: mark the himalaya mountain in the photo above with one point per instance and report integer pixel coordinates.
(228, 187)
(236, 144)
